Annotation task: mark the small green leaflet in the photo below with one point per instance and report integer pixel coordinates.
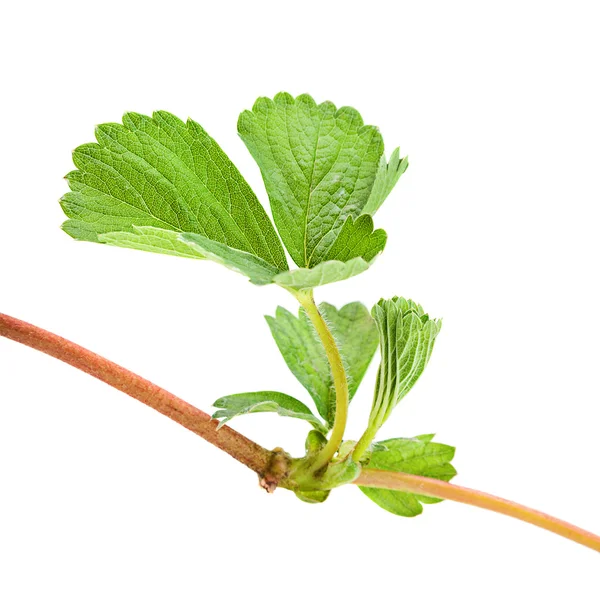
(407, 336)
(318, 164)
(417, 456)
(255, 402)
(326, 272)
(387, 177)
(164, 173)
(357, 239)
(357, 338)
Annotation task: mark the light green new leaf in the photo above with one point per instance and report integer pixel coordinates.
(161, 172)
(324, 273)
(407, 337)
(257, 270)
(387, 177)
(357, 338)
(151, 239)
(296, 339)
(262, 273)
(255, 402)
(318, 164)
(417, 456)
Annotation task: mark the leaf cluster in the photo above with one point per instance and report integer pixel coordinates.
(163, 185)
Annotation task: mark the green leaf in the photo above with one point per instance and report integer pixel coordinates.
(255, 402)
(417, 456)
(318, 164)
(313, 497)
(407, 336)
(324, 273)
(357, 338)
(151, 239)
(257, 270)
(357, 239)
(161, 172)
(387, 177)
(262, 273)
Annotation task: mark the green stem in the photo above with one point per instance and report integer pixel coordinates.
(338, 373)
(363, 444)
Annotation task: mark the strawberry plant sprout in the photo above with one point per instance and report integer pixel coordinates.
(163, 185)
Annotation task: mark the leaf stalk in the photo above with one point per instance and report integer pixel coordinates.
(338, 373)
(364, 442)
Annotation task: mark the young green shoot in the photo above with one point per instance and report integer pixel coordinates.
(160, 184)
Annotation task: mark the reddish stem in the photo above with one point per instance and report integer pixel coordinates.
(271, 466)
(241, 448)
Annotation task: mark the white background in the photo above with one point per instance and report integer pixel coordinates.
(494, 227)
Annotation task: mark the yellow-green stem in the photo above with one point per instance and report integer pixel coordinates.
(435, 488)
(338, 374)
(363, 444)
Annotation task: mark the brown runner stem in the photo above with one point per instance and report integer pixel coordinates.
(262, 461)
(241, 448)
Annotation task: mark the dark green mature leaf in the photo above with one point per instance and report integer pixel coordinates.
(255, 402)
(387, 177)
(357, 339)
(417, 456)
(318, 164)
(407, 337)
(161, 172)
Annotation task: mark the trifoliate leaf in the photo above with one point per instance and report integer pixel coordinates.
(357, 239)
(357, 338)
(161, 172)
(322, 274)
(407, 336)
(417, 456)
(387, 177)
(255, 402)
(318, 164)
